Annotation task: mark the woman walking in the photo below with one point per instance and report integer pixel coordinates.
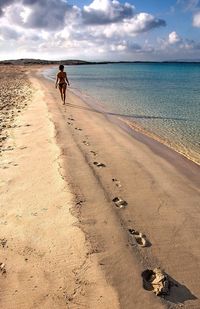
(62, 81)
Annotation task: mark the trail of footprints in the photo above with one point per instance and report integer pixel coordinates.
(119, 202)
(136, 238)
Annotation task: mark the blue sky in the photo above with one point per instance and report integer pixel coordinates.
(100, 29)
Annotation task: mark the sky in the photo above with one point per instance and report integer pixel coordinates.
(100, 30)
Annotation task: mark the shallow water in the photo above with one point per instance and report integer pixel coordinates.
(161, 100)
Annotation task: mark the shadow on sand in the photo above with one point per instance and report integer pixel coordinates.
(133, 116)
(178, 293)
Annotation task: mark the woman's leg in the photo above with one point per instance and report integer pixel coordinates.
(64, 93)
(61, 92)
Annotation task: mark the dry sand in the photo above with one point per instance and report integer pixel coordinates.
(15, 92)
(67, 244)
(44, 251)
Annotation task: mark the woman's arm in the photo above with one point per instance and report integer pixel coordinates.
(67, 80)
(56, 81)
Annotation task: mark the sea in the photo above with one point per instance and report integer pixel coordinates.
(161, 100)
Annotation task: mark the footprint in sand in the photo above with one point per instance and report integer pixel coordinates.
(158, 281)
(86, 143)
(69, 123)
(3, 222)
(72, 119)
(3, 268)
(119, 202)
(34, 214)
(12, 163)
(79, 129)
(3, 242)
(140, 238)
(98, 164)
(23, 147)
(6, 165)
(9, 148)
(93, 152)
(117, 182)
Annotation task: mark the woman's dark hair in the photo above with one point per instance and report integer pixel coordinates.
(61, 67)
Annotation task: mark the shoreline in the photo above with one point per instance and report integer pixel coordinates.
(135, 130)
(134, 125)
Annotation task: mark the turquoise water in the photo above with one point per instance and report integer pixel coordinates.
(161, 100)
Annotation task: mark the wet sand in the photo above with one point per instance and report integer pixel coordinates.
(68, 245)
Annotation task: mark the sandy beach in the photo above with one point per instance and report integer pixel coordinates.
(65, 241)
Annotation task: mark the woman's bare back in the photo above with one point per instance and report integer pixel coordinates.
(62, 77)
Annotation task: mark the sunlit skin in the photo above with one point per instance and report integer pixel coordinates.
(62, 81)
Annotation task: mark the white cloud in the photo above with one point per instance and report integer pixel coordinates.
(118, 47)
(25, 13)
(196, 20)
(174, 46)
(127, 28)
(106, 11)
(142, 22)
(174, 38)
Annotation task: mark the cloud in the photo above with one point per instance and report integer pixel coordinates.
(39, 14)
(8, 33)
(127, 28)
(174, 38)
(106, 11)
(54, 15)
(3, 4)
(143, 22)
(194, 7)
(46, 14)
(121, 17)
(191, 45)
(31, 2)
(54, 27)
(174, 44)
(125, 45)
(196, 20)
(134, 47)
